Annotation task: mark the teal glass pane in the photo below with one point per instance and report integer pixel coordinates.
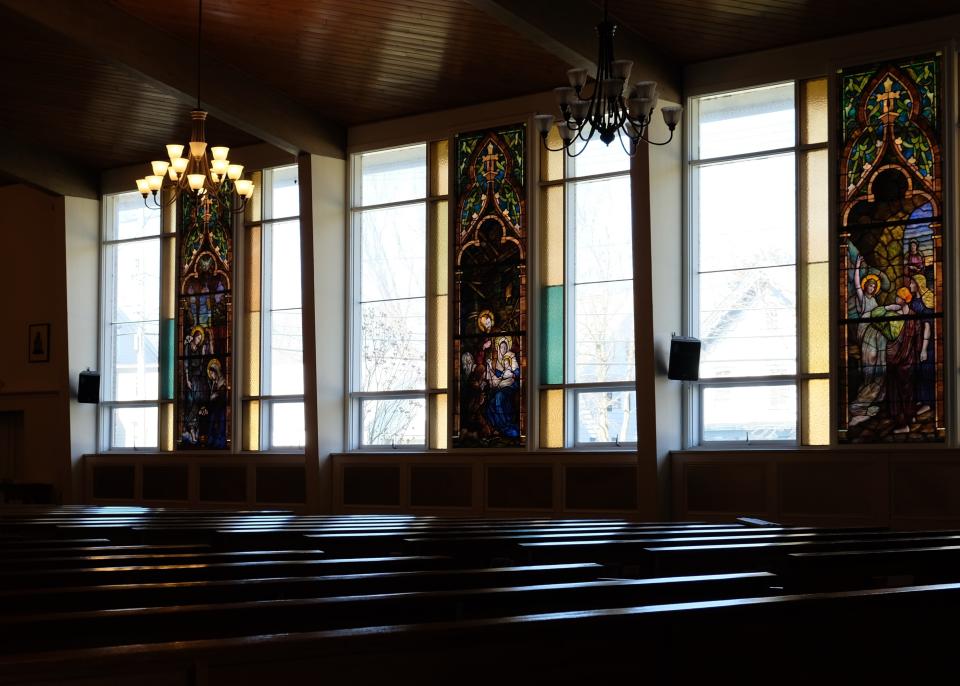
(167, 347)
(551, 335)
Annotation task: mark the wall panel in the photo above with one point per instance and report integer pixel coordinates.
(441, 486)
(520, 487)
(902, 487)
(247, 480)
(166, 482)
(501, 484)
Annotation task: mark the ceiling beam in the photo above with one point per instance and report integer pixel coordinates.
(231, 96)
(565, 29)
(47, 170)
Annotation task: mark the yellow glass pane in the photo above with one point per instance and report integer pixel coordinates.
(253, 259)
(438, 422)
(814, 208)
(166, 426)
(439, 245)
(439, 167)
(816, 412)
(251, 357)
(813, 127)
(251, 425)
(437, 369)
(816, 318)
(254, 211)
(551, 235)
(551, 418)
(551, 161)
(168, 292)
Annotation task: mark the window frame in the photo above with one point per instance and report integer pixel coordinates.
(355, 396)
(265, 401)
(694, 391)
(572, 389)
(166, 242)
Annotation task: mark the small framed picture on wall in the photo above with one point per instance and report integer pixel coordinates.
(38, 343)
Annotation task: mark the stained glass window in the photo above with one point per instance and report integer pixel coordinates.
(204, 326)
(889, 253)
(490, 290)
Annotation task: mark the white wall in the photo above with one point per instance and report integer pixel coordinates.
(82, 224)
(329, 178)
(666, 265)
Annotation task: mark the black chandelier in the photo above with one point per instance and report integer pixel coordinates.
(614, 109)
(205, 173)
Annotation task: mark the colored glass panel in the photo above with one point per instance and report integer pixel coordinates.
(490, 289)
(168, 347)
(551, 418)
(438, 422)
(551, 339)
(816, 412)
(889, 253)
(813, 114)
(205, 326)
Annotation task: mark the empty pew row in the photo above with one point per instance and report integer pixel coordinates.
(798, 637)
(251, 592)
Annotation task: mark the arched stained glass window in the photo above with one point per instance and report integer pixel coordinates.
(204, 326)
(890, 251)
(490, 282)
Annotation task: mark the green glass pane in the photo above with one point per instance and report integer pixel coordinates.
(167, 348)
(551, 341)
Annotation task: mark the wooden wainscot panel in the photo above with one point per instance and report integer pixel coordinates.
(600, 487)
(441, 485)
(113, 482)
(285, 484)
(166, 482)
(834, 488)
(222, 483)
(725, 488)
(927, 490)
(520, 487)
(371, 484)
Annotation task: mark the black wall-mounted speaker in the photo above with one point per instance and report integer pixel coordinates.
(684, 359)
(88, 388)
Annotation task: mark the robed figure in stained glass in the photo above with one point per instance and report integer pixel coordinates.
(490, 290)
(205, 321)
(890, 253)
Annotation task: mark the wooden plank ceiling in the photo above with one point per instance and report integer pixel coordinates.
(359, 61)
(364, 60)
(697, 30)
(62, 100)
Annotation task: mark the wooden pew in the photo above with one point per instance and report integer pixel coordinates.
(778, 639)
(80, 576)
(55, 598)
(903, 561)
(730, 557)
(149, 557)
(62, 630)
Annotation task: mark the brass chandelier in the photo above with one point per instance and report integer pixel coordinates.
(614, 109)
(206, 173)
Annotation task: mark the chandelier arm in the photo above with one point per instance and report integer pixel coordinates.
(633, 144)
(650, 142)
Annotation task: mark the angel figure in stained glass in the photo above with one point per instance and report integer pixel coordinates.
(871, 342)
